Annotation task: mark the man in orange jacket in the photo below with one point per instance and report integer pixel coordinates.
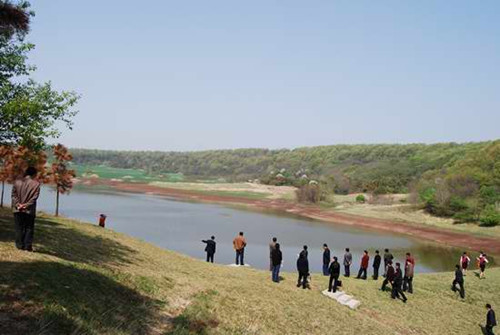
(239, 244)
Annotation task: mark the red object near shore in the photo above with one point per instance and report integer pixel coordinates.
(102, 220)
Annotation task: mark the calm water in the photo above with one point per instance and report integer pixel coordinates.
(181, 226)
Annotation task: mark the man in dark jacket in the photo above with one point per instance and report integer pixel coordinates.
(389, 276)
(347, 262)
(210, 248)
(272, 245)
(334, 275)
(459, 279)
(491, 320)
(303, 269)
(25, 193)
(326, 259)
(363, 269)
(276, 259)
(397, 284)
(376, 264)
(387, 257)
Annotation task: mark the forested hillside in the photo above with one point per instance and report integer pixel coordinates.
(383, 168)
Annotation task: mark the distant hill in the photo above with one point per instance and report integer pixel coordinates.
(385, 168)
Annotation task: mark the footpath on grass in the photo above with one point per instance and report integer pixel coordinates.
(455, 239)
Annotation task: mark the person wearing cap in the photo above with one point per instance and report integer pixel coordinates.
(326, 260)
(210, 248)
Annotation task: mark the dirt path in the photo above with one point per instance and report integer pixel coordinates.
(456, 239)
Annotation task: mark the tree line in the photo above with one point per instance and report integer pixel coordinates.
(448, 179)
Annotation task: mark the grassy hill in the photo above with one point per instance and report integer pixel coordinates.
(87, 280)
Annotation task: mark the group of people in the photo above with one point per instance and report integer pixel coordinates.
(400, 282)
(25, 193)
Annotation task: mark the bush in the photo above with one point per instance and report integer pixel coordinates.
(311, 192)
(458, 204)
(490, 217)
(361, 199)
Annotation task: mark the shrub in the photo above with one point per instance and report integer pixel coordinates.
(490, 217)
(361, 198)
(458, 204)
(309, 193)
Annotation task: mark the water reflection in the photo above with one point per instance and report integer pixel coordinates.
(181, 226)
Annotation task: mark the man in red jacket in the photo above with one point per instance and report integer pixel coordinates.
(364, 266)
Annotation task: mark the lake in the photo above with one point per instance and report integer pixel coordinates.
(181, 226)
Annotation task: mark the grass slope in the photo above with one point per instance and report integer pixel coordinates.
(87, 280)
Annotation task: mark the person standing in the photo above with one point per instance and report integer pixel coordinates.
(303, 270)
(210, 248)
(376, 264)
(397, 283)
(389, 276)
(388, 257)
(347, 262)
(326, 259)
(272, 245)
(239, 244)
(276, 259)
(459, 279)
(25, 194)
(464, 262)
(409, 271)
(334, 275)
(364, 266)
(102, 220)
(482, 260)
(491, 320)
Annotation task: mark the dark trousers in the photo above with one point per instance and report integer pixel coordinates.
(489, 330)
(25, 229)
(210, 257)
(335, 281)
(362, 273)
(326, 271)
(384, 284)
(385, 268)
(408, 284)
(397, 292)
(302, 279)
(347, 270)
(375, 272)
(461, 285)
(239, 257)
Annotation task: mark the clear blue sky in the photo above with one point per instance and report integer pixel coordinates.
(193, 75)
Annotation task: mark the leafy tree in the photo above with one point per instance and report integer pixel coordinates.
(60, 175)
(29, 111)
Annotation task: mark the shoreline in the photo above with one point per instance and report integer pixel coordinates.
(431, 234)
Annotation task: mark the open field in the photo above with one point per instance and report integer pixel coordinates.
(87, 280)
(129, 175)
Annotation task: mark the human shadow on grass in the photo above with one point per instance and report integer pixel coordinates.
(65, 242)
(52, 298)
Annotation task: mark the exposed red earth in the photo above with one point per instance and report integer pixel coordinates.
(450, 238)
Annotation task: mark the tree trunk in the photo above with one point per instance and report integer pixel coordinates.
(57, 202)
(3, 188)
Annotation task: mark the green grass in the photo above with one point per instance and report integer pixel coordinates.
(135, 175)
(86, 280)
